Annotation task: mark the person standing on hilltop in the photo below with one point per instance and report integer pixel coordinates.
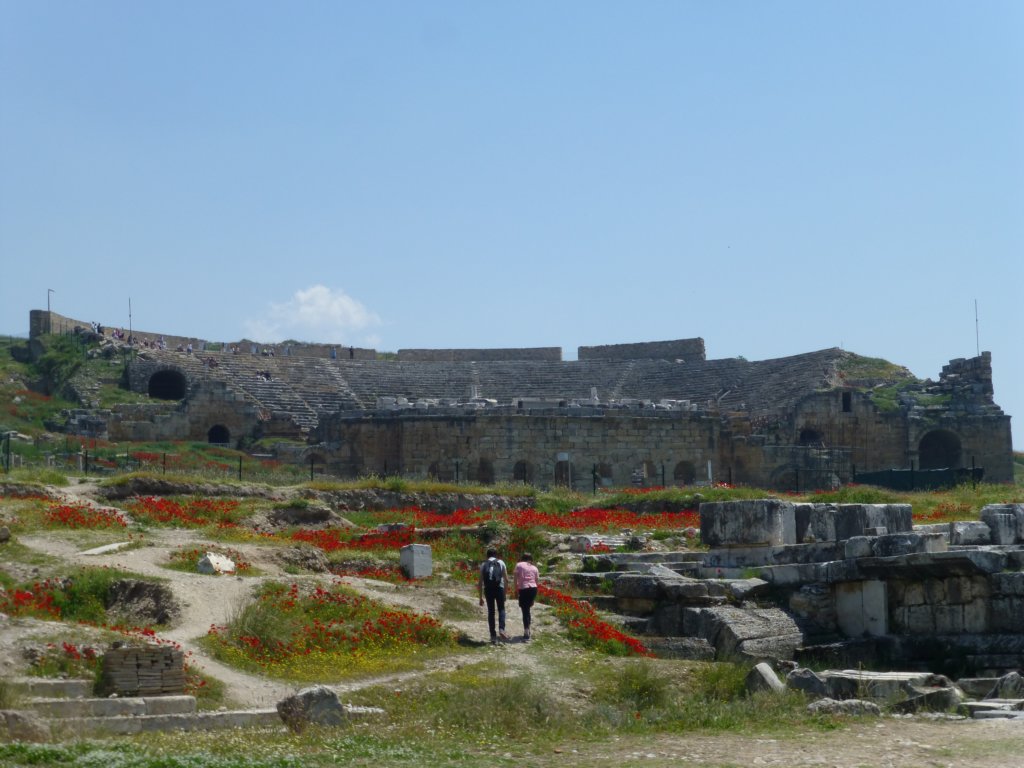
(491, 587)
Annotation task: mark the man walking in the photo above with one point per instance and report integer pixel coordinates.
(493, 579)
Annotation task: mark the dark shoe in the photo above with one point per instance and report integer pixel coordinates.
(526, 635)
(502, 635)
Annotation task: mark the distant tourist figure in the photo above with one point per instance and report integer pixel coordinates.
(493, 578)
(334, 353)
(525, 577)
(351, 353)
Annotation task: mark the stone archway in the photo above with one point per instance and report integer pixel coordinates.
(565, 474)
(482, 472)
(939, 449)
(685, 473)
(218, 434)
(441, 471)
(522, 472)
(167, 385)
(811, 438)
(785, 478)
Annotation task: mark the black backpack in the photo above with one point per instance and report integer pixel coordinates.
(492, 573)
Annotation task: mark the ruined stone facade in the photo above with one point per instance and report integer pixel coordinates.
(653, 413)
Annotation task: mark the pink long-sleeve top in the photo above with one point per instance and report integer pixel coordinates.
(525, 575)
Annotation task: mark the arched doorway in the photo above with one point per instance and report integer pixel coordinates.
(522, 472)
(939, 449)
(811, 438)
(483, 472)
(685, 473)
(167, 385)
(218, 434)
(317, 465)
(565, 474)
(786, 478)
(442, 471)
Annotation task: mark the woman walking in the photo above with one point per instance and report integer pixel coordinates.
(525, 576)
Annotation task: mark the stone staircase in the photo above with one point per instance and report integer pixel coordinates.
(68, 708)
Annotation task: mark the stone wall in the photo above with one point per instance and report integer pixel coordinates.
(42, 322)
(689, 350)
(211, 404)
(487, 448)
(473, 355)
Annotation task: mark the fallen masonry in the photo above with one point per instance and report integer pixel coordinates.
(843, 585)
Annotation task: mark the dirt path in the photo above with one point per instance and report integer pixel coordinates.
(206, 600)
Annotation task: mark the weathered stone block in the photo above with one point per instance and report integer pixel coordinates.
(920, 620)
(687, 592)
(666, 620)
(969, 533)
(935, 591)
(849, 707)
(693, 648)
(1007, 614)
(949, 619)
(746, 589)
(862, 608)
(638, 586)
(976, 616)
(747, 522)
(1015, 511)
(803, 679)
(316, 705)
(853, 519)
(635, 606)
(758, 633)
(416, 560)
(893, 545)
(816, 522)
(782, 575)
(1008, 583)
(859, 546)
(1002, 524)
(763, 678)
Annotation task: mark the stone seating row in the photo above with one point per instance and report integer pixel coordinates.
(313, 385)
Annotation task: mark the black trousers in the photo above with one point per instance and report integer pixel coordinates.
(527, 597)
(495, 597)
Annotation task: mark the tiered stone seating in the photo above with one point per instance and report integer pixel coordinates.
(306, 387)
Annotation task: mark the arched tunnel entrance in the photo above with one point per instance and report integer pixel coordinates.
(218, 435)
(167, 385)
(939, 449)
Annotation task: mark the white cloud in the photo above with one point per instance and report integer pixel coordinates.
(318, 314)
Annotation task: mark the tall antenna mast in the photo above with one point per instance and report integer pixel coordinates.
(977, 337)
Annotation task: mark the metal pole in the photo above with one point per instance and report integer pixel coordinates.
(239, 467)
(311, 469)
(165, 463)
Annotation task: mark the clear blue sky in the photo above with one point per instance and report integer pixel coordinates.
(775, 177)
